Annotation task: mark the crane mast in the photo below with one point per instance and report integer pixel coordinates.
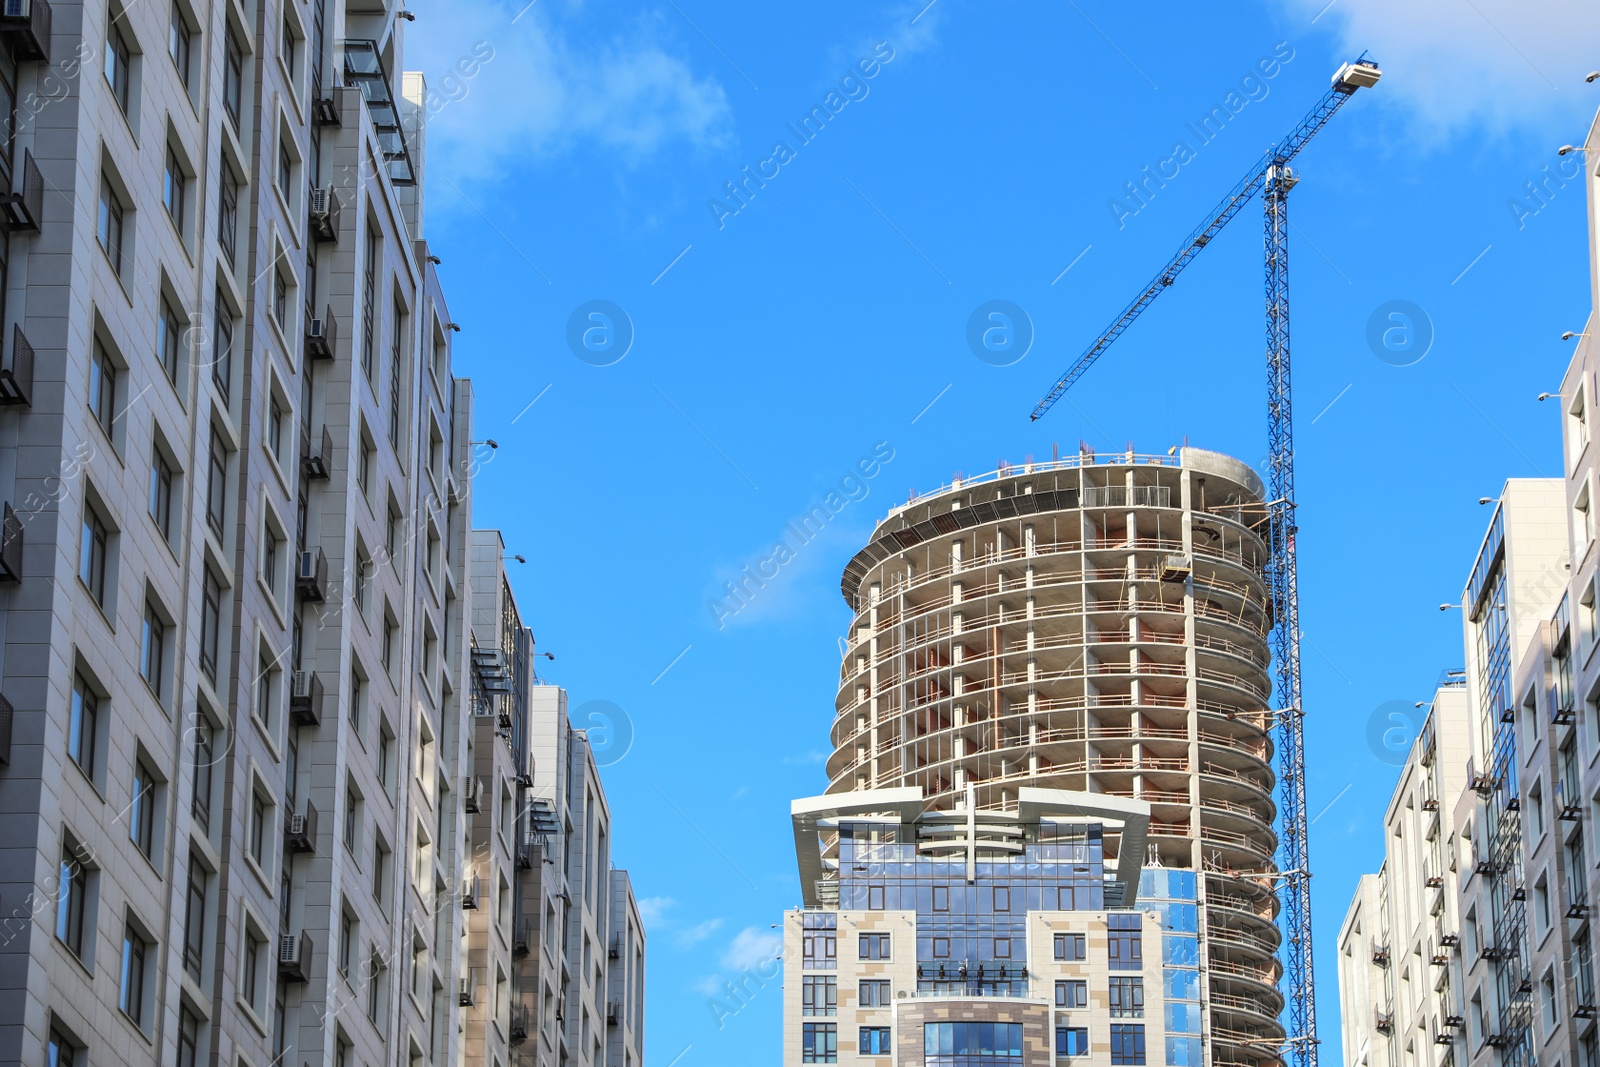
(1273, 177)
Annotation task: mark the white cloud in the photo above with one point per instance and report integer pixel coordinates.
(1471, 63)
(801, 759)
(709, 986)
(652, 910)
(698, 932)
(752, 947)
(543, 92)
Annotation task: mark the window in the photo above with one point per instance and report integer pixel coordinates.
(1070, 947)
(364, 466)
(819, 995)
(1123, 945)
(109, 225)
(194, 919)
(388, 643)
(204, 761)
(369, 300)
(180, 44)
(272, 551)
(358, 701)
(268, 689)
(986, 1040)
(275, 421)
(875, 1041)
(380, 869)
(819, 1043)
(228, 213)
(210, 624)
(361, 578)
(217, 483)
(399, 331)
(92, 555)
(153, 650)
(375, 983)
(286, 47)
(874, 892)
(118, 64)
(1127, 998)
(103, 388)
(233, 77)
(62, 1051)
(347, 942)
(818, 944)
(873, 993)
(352, 817)
(1541, 904)
(72, 905)
(260, 818)
(1072, 994)
(941, 898)
(161, 494)
(280, 299)
(941, 948)
(222, 352)
(285, 168)
(174, 190)
(188, 1038)
(873, 947)
(1127, 1044)
(169, 338)
(142, 812)
(385, 755)
(249, 983)
(135, 956)
(83, 727)
(1072, 1041)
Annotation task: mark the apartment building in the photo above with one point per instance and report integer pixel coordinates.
(244, 716)
(1522, 835)
(1049, 651)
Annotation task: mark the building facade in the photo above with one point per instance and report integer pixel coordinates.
(1513, 981)
(244, 723)
(1091, 628)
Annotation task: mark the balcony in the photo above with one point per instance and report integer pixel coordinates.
(1449, 1016)
(321, 335)
(1577, 896)
(316, 463)
(294, 957)
(300, 830)
(1483, 784)
(16, 372)
(363, 69)
(311, 579)
(305, 699)
(1380, 954)
(25, 26)
(1383, 1021)
(10, 546)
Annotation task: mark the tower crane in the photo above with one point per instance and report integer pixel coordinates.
(1273, 178)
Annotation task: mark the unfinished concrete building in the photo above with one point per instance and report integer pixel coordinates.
(1096, 625)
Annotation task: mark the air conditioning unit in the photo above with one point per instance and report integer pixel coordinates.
(519, 1026)
(324, 213)
(294, 957)
(321, 335)
(305, 699)
(316, 464)
(472, 803)
(311, 577)
(327, 111)
(25, 26)
(469, 993)
(300, 830)
(470, 889)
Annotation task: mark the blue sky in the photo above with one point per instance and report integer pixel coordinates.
(773, 347)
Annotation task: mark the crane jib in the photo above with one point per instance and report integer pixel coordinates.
(1349, 78)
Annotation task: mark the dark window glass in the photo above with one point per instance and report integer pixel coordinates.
(1127, 1044)
(819, 1043)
